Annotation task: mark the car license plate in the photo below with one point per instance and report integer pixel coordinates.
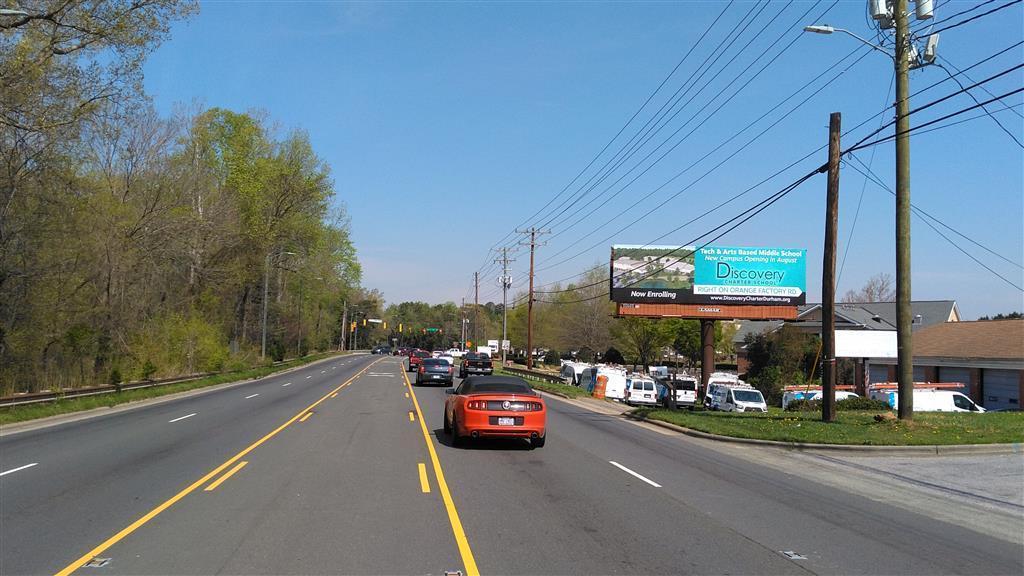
(506, 421)
(435, 375)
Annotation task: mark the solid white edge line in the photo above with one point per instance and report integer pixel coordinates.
(182, 417)
(628, 471)
(18, 468)
(252, 395)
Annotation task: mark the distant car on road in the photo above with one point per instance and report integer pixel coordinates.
(434, 370)
(415, 357)
(495, 407)
(381, 350)
(475, 363)
(454, 352)
(447, 358)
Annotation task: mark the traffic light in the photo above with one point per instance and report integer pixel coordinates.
(399, 327)
(385, 325)
(353, 326)
(364, 321)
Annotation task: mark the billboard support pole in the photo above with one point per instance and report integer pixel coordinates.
(828, 275)
(707, 345)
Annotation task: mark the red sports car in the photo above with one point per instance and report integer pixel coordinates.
(495, 407)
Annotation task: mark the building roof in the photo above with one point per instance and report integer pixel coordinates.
(931, 312)
(983, 339)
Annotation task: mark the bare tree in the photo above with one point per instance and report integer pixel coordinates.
(878, 288)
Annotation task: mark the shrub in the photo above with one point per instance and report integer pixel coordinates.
(850, 404)
(148, 369)
(552, 357)
(613, 356)
(864, 404)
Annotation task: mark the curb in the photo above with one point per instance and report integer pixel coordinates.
(58, 419)
(926, 450)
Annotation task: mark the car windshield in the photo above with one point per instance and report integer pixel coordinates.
(747, 396)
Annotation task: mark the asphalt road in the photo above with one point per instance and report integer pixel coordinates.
(331, 469)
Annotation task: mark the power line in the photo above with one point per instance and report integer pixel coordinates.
(722, 105)
(994, 119)
(881, 184)
(872, 176)
(973, 18)
(709, 171)
(648, 130)
(628, 122)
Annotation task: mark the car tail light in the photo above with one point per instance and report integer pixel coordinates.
(476, 405)
(423, 369)
(451, 369)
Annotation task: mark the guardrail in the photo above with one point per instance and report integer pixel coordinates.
(52, 396)
(545, 376)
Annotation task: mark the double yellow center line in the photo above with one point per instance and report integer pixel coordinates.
(453, 515)
(195, 485)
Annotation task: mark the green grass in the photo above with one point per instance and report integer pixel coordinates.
(43, 409)
(927, 428)
(564, 389)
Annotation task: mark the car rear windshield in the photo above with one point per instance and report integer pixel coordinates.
(686, 385)
(421, 354)
(475, 356)
(504, 385)
(434, 362)
(747, 396)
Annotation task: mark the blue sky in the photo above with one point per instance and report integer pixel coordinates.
(448, 124)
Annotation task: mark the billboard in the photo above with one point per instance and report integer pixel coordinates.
(714, 275)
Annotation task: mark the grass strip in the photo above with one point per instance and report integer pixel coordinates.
(858, 428)
(25, 412)
(563, 389)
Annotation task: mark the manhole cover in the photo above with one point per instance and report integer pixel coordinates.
(793, 555)
(97, 562)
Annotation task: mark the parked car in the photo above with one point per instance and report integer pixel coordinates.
(415, 357)
(686, 390)
(434, 370)
(640, 391)
(739, 399)
(475, 363)
(495, 407)
(930, 400)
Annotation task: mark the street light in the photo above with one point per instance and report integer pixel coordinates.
(266, 294)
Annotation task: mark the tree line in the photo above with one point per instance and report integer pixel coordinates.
(137, 245)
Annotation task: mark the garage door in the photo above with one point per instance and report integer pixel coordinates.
(1000, 389)
(878, 373)
(959, 375)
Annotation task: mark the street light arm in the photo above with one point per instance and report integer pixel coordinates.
(826, 29)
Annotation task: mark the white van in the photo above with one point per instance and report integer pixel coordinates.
(791, 395)
(640, 391)
(615, 387)
(571, 372)
(686, 390)
(930, 400)
(717, 381)
(739, 399)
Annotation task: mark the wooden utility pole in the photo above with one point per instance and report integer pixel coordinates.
(533, 232)
(476, 306)
(904, 344)
(506, 283)
(828, 275)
